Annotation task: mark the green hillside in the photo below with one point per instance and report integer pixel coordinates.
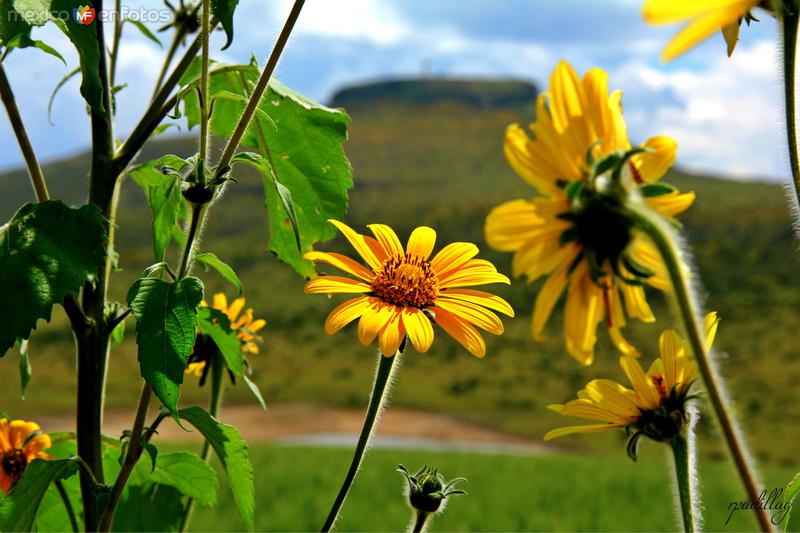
(441, 165)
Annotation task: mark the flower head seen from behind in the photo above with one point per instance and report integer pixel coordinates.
(402, 291)
(20, 443)
(243, 323)
(703, 18)
(575, 231)
(655, 406)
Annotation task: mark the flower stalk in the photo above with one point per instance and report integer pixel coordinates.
(683, 476)
(662, 237)
(377, 399)
(789, 23)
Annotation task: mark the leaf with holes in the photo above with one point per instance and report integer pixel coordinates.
(47, 250)
(166, 323)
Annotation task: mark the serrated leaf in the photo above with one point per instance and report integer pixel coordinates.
(231, 449)
(217, 325)
(189, 474)
(222, 268)
(165, 199)
(25, 369)
(34, 12)
(144, 30)
(305, 144)
(47, 250)
(24, 41)
(12, 24)
(18, 510)
(84, 38)
(223, 10)
(166, 322)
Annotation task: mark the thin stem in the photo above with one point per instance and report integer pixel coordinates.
(131, 457)
(112, 68)
(180, 33)
(73, 520)
(32, 164)
(376, 400)
(420, 520)
(214, 403)
(662, 236)
(261, 86)
(683, 477)
(195, 222)
(204, 87)
(789, 23)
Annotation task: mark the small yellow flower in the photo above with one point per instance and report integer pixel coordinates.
(573, 233)
(243, 324)
(402, 291)
(20, 443)
(703, 17)
(655, 407)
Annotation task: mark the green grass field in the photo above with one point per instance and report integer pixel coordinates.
(560, 492)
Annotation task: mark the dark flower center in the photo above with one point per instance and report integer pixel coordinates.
(14, 463)
(408, 281)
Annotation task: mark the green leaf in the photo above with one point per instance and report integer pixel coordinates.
(148, 507)
(34, 12)
(25, 369)
(144, 30)
(47, 250)
(117, 334)
(255, 391)
(24, 41)
(84, 38)
(164, 196)
(656, 189)
(216, 325)
(792, 489)
(18, 510)
(12, 24)
(189, 474)
(59, 85)
(227, 273)
(166, 322)
(223, 10)
(304, 141)
(231, 449)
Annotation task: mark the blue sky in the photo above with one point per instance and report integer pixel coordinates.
(725, 113)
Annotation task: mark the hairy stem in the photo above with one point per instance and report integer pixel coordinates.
(376, 400)
(420, 520)
(683, 477)
(32, 164)
(112, 68)
(180, 33)
(261, 86)
(131, 457)
(214, 403)
(789, 23)
(205, 102)
(662, 236)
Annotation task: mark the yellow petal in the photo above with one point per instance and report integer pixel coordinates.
(342, 262)
(485, 299)
(653, 165)
(711, 322)
(452, 257)
(512, 225)
(645, 389)
(220, 302)
(672, 203)
(475, 314)
(388, 239)
(461, 331)
(235, 307)
(546, 299)
(373, 320)
(392, 334)
(586, 428)
(359, 244)
(706, 25)
(421, 242)
(731, 35)
(345, 313)
(335, 284)
(670, 347)
(418, 327)
(671, 11)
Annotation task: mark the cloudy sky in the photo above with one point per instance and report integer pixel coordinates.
(725, 113)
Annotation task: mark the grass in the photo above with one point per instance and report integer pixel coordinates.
(442, 165)
(560, 492)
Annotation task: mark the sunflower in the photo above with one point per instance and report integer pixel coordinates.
(244, 325)
(20, 443)
(576, 231)
(704, 17)
(655, 407)
(402, 292)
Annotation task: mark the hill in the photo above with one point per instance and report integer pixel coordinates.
(441, 164)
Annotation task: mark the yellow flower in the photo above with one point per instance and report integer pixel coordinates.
(572, 231)
(703, 17)
(20, 443)
(403, 291)
(654, 407)
(243, 324)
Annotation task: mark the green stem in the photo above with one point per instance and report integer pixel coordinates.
(789, 23)
(112, 67)
(377, 399)
(205, 102)
(73, 520)
(180, 33)
(420, 521)
(215, 401)
(662, 236)
(683, 476)
(195, 223)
